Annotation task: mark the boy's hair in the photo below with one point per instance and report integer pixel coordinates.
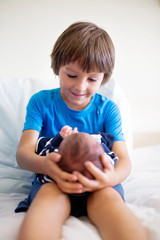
(87, 44)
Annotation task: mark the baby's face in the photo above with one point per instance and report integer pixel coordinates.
(78, 148)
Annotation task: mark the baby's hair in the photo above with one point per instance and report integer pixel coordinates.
(78, 148)
(87, 44)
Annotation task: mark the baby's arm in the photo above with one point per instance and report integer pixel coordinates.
(67, 130)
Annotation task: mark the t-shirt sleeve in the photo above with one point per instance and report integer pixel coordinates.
(34, 110)
(113, 122)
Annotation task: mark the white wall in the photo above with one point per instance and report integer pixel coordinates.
(28, 30)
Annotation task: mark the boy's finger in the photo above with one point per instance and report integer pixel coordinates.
(95, 171)
(55, 156)
(68, 176)
(106, 161)
(86, 182)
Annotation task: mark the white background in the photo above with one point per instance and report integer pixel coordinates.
(28, 30)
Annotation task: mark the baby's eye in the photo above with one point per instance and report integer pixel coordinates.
(71, 76)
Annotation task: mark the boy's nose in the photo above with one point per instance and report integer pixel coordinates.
(81, 84)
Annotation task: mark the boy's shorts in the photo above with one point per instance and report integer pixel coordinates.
(78, 201)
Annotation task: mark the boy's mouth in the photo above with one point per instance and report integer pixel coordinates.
(78, 95)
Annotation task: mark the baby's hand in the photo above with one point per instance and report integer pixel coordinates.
(67, 130)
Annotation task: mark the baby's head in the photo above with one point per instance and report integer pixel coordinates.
(78, 148)
(87, 44)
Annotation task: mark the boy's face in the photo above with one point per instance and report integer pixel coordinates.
(78, 87)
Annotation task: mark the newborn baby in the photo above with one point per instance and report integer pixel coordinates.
(78, 148)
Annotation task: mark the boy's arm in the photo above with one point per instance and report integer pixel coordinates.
(123, 165)
(26, 156)
(29, 160)
(110, 176)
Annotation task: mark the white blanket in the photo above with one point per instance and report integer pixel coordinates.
(142, 193)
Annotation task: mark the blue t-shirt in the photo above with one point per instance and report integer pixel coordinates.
(48, 113)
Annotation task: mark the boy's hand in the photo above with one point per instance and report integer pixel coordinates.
(105, 178)
(67, 182)
(67, 130)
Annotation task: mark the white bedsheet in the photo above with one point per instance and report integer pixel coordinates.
(142, 190)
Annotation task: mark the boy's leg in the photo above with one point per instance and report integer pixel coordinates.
(46, 215)
(107, 210)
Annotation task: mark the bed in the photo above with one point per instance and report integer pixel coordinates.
(142, 187)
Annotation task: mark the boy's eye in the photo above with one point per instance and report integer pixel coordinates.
(71, 76)
(92, 79)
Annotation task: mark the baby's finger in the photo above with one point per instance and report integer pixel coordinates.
(75, 130)
(64, 128)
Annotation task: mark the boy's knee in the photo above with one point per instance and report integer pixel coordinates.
(50, 188)
(50, 192)
(51, 198)
(105, 194)
(104, 197)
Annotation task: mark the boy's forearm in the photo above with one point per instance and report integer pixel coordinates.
(26, 156)
(123, 170)
(29, 160)
(123, 165)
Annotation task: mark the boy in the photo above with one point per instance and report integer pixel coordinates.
(83, 57)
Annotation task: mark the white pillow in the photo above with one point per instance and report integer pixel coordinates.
(15, 94)
(113, 91)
